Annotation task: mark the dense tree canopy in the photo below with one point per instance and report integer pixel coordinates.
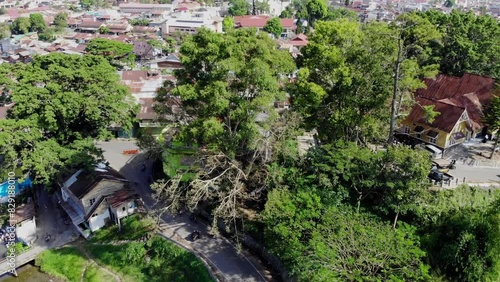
(327, 215)
(71, 96)
(465, 244)
(62, 102)
(37, 23)
(227, 89)
(273, 26)
(21, 25)
(238, 7)
(470, 43)
(117, 53)
(343, 86)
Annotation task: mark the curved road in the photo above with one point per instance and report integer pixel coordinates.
(219, 252)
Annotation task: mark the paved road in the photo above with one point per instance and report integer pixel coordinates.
(233, 266)
(476, 174)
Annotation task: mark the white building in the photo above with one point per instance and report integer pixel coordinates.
(24, 220)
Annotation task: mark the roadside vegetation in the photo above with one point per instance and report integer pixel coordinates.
(134, 227)
(133, 254)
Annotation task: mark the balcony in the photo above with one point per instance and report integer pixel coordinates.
(150, 124)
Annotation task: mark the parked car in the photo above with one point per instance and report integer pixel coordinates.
(437, 175)
(433, 151)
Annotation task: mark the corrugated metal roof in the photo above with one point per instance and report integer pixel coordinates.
(451, 97)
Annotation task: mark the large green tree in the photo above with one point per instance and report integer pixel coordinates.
(470, 43)
(5, 31)
(413, 35)
(492, 118)
(227, 89)
(228, 24)
(62, 103)
(273, 26)
(238, 7)
(343, 86)
(116, 52)
(21, 25)
(61, 21)
(37, 23)
(72, 97)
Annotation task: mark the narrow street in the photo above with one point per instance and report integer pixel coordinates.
(219, 252)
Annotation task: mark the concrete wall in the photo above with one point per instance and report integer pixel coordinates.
(26, 230)
(97, 222)
(125, 209)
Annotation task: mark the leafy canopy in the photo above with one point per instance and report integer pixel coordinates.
(116, 52)
(273, 26)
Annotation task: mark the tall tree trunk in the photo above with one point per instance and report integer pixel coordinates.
(359, 202)
(496, 144)
(395, 219)
(390, 140)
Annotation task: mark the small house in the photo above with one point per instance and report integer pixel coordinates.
(93, 199)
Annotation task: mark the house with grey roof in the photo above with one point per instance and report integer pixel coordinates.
(93, 199)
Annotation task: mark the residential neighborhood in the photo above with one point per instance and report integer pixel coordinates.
(249, 140)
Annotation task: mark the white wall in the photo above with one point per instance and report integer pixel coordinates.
(97, 222)
(26, 231)
(129, 209)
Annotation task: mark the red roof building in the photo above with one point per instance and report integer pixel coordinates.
(460, 102)
(259, 22)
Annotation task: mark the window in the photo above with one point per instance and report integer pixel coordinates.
(407, 129)
(92, 201)
(123, 209)
(94, 215)
(433, 136)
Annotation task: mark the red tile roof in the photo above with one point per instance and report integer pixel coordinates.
(299, 40)
(90, 24)
(451, 96)
(259, 21)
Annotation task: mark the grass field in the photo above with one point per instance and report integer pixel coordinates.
(133, 228)
(94, 273)
(66, 263)
(156, 260)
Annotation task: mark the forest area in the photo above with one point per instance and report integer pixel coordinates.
(343, 211)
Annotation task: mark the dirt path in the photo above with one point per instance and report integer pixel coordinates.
(92, 261)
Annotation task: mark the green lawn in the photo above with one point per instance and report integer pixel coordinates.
(95, 274)
(65, 263)
(157, 260)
